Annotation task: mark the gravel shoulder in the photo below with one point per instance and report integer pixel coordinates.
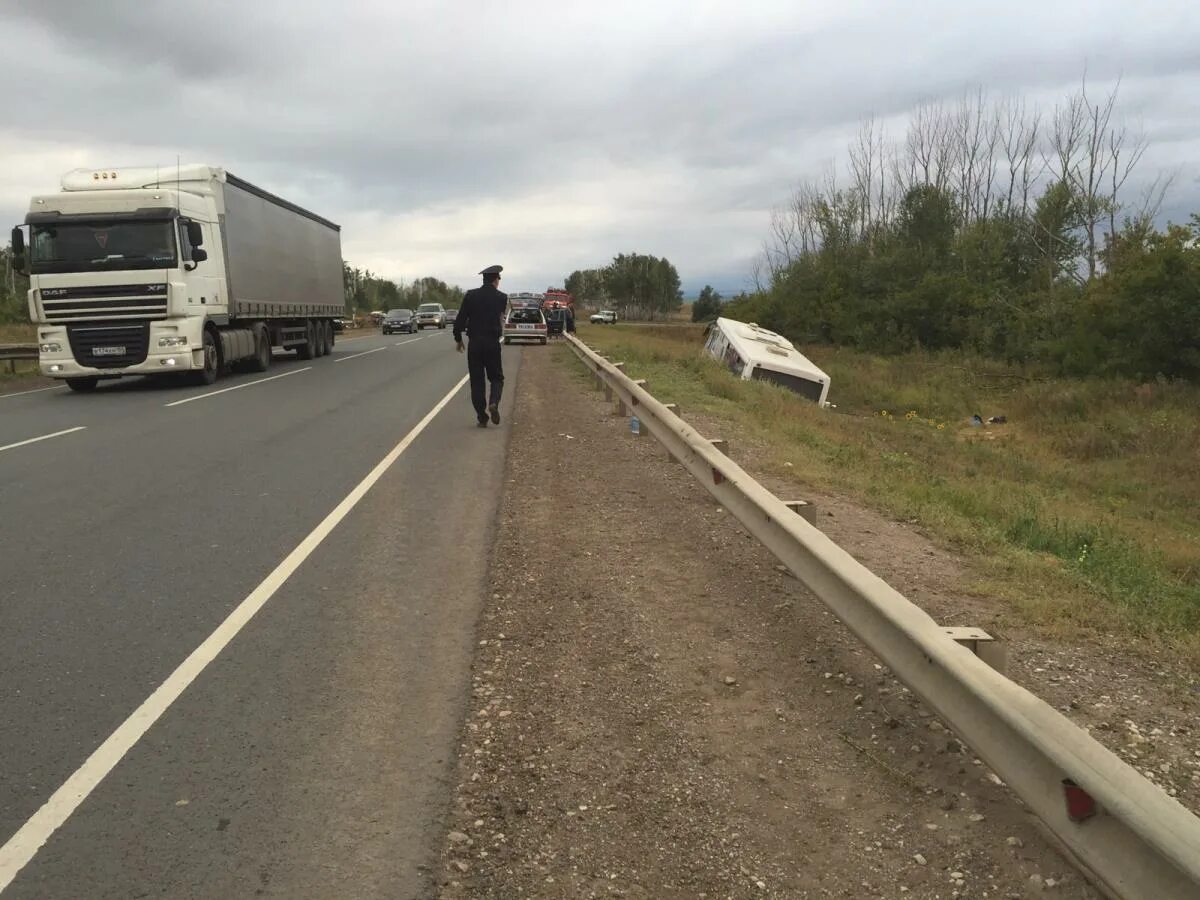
(658, 712)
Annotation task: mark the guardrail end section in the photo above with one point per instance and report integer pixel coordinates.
(720, 444)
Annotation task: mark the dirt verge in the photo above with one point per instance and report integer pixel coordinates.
(658, 712)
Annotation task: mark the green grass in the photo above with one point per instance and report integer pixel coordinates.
(17, 334)
(1083, 511)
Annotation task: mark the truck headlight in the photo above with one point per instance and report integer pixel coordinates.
(172, 341)
(52, 347)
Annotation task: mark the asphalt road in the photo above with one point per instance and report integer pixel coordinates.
(312, 756)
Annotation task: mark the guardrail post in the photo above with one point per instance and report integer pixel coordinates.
(673, 407)
(720, 444)
(803, 509)
(985, 646)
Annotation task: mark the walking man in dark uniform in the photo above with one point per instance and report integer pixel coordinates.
(482, 317)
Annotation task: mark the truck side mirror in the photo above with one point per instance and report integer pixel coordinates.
(195, 237)
(18, 250)
(199, 255)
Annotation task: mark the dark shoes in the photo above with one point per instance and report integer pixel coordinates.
(494, 412)
(482, 422)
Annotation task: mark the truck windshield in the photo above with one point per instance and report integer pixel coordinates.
(101, 245)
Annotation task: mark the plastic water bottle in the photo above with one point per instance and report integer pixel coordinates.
(635, 426)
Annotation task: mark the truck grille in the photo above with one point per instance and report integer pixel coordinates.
(126, 302)
(109, 346)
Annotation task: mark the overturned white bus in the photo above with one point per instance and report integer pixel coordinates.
(752, 352)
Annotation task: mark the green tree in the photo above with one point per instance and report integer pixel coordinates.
(643, 287)
(707, 306)
(14, 291)
(587, 287)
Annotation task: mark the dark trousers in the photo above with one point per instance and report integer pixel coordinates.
(483, 360)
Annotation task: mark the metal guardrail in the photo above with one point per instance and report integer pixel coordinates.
(10, 353)
(1122, 830)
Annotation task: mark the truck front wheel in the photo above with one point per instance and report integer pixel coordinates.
(212, 361)
(84, 384)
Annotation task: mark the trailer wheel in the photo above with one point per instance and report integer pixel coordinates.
(84, 384)
(327, 329)
(262, 350)
(333, 333)
(308, 349)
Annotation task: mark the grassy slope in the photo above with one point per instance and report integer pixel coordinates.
(1083, 511)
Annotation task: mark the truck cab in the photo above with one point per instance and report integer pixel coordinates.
(116, 281)
(130, 274)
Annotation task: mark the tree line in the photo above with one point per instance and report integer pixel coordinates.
(995, 227)
(366, 292)
(636, 285)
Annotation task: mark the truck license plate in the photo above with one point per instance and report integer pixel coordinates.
(108, 351)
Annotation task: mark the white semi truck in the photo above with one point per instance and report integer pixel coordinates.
(137, 271)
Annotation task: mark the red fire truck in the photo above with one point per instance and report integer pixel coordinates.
(559, 310)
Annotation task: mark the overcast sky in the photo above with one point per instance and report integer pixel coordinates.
(549, 136)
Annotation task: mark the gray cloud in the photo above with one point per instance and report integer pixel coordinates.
(559, 133)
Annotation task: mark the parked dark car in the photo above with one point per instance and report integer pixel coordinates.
(399, 320)
(339, 325)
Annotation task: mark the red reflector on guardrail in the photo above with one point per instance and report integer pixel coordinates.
(1080, 804)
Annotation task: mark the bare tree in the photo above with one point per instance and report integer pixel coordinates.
(1152, 197)
(930, 144)
(1083, 159)
(863, 166)
(1125, 151)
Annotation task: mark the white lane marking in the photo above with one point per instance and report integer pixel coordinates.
(24, 845)
(357, 355)
(44, 437)
(409, 341)
(237, 387)
(57, 387)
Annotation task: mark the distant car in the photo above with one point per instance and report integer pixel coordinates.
(451, 315)
(399, 320)
(604, 317)
(339, 325)
(432, 315)
(525, 323)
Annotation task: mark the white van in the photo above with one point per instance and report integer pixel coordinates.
(752, 352)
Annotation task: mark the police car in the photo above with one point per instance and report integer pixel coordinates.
(525, 320)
